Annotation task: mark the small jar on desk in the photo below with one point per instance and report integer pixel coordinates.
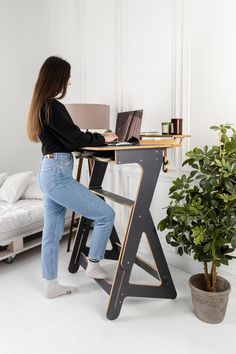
(165, 128)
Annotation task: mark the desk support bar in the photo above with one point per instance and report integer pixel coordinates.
(116, 198)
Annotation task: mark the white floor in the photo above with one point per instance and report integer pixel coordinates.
(31, 324)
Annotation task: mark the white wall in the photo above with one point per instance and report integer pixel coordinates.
(213, 69)
(170, 57)
(24, 44)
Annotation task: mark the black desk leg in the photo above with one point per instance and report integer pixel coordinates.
(141, 222)
(81, 238)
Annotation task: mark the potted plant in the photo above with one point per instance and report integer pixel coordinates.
(201, 220)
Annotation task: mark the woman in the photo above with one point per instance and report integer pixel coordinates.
(50, 123)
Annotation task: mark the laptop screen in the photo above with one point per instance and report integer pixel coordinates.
(128, 125)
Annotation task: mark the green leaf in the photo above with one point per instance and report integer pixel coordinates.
(174, 244)
(224, 138)
(218, 162)
(224, 261)
(198, 239)
(211, 214)
(200, 176)
(188, 162)
(192, 174)
(214, 127)
(233, 241)
(207, 247)
(229, 185)
(162, 225)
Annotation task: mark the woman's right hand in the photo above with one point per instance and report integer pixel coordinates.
(109, 137)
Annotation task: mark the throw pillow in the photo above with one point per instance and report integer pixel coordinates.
(14, 186)
(33, 190)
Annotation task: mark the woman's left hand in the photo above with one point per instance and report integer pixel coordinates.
(109, 137)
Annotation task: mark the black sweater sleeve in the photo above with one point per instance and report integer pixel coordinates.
(69, 134)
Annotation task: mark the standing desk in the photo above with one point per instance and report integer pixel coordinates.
(149, 156)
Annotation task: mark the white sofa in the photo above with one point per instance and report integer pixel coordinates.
(21, 214)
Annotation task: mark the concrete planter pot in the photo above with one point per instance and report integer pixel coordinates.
(208, 306)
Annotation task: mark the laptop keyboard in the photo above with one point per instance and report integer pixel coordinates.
(119, 143)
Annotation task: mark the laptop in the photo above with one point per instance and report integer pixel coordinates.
(128, 127)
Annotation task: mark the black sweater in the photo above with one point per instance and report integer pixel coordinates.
(60, 134)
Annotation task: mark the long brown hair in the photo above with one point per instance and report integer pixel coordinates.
(52, 82)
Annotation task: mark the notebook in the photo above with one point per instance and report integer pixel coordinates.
(128, 127)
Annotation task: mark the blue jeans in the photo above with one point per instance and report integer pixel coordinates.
(61, 191)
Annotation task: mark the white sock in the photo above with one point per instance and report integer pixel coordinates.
(94, 270)
(53, 289)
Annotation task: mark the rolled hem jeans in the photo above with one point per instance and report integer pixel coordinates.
(62, 191)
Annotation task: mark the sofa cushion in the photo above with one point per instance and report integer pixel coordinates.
(3, 177)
